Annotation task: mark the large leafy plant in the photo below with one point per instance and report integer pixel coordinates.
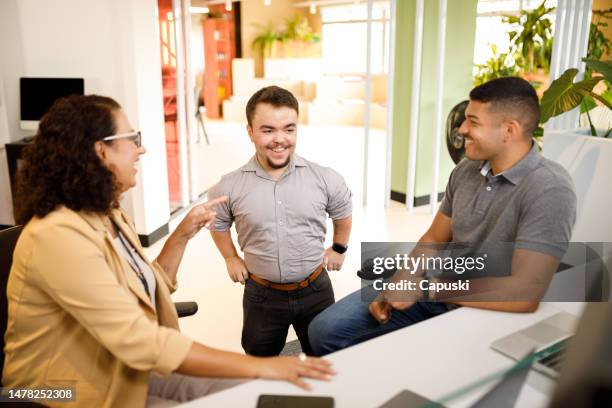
(530, 48)
(565, 94)
(531, 39)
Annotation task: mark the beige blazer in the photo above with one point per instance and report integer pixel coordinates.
(79, 316)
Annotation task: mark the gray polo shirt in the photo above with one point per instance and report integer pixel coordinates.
(532, 205)
(281, 224)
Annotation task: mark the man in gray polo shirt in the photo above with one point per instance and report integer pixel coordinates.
(279, 202)
(504, 195)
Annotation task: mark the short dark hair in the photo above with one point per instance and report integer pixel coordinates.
(275, 96)
(511, 95)
(61, 167)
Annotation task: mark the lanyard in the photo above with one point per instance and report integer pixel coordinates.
(133, 264)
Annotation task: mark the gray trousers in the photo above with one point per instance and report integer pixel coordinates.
(177, 388)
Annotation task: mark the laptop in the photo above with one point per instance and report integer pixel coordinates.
(504, 393)
(549, 338)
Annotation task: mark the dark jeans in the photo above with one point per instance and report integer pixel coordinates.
(269, 312)
(349, 322)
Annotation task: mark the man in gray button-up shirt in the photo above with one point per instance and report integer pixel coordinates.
(279, 203)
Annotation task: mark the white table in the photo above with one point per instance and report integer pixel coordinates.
(431, 358)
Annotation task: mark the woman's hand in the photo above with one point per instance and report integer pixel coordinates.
(199, 217)
(171, 254)
(292, 369)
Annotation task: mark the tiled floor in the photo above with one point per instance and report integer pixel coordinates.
(202, 275)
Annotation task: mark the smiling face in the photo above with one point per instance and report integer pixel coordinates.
(483, 131)
(121, 155)
(273, 131)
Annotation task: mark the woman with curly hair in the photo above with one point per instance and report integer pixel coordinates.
(87, 309)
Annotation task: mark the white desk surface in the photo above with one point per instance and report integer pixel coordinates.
(431, 358)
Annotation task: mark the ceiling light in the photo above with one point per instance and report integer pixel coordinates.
(228, 5)
(199, 10)
(267, 2)
(313, 8)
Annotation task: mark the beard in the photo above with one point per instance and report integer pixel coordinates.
(278, 166)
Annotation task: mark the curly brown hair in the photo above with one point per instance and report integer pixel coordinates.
(61, 167)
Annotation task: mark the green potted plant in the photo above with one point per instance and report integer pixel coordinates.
(298, 29)
(531, 39)
(530, 48)
(296, 32)
(265, 42)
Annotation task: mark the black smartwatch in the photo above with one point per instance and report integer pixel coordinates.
(339, 248)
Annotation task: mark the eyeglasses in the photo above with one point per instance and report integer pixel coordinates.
(133, 136)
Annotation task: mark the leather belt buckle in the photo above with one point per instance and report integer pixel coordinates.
(303, 284)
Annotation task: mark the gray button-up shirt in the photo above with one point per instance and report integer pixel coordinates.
(531, 205)
(281, 224)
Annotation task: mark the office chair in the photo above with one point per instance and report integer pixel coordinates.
(8, 240)
(454, 140)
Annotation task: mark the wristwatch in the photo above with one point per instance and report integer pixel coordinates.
(339, 248)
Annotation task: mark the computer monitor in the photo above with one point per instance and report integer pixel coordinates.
(38, 94)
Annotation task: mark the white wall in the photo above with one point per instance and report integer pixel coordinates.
(197, 48)
(4, 132)
(114, 45)
(6, 205)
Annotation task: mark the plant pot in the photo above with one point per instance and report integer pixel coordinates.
(588, 159)
(564, 145)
